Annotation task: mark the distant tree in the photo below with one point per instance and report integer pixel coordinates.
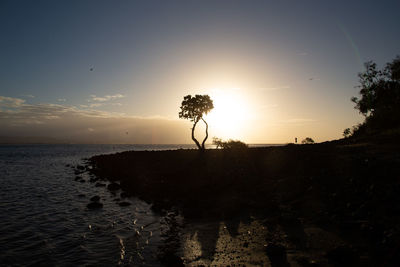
(346, 132)
(218, 142)
(193, 109)
(230, 144)
(380, 94)
(308, 140)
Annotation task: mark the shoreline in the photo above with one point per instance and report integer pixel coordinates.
(348, 190)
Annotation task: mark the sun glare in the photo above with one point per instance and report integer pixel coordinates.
(231, 114)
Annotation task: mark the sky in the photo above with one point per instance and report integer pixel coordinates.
(117, 71)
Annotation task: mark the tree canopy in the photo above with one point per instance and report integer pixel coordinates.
(193, 109)
(380, 94)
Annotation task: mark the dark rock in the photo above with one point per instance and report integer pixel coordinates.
(92, 180)
(100, 185)
(277, 255)
(124, 204)
(82, 181)
(343, 256)
(77, 178)
(81, 195)
(95, 199)
(306, 262)
(94, 205)
(171, 260)
(113, 187)
(125, 195)
(80, 167)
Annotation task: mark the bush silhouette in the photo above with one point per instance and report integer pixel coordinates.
(347, 133)
(308, 140)
(230, 144)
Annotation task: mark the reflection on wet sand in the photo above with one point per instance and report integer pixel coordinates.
(222, 243)
(255, 242)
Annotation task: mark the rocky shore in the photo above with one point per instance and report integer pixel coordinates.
(329, 204)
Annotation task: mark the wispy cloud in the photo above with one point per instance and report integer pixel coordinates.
(61, 100)
(10, 102)
(95, 105)
(94, 98)
(86, 125)
(29, 96)
(22, 112)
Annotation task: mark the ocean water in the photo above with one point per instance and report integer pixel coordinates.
(44, 219)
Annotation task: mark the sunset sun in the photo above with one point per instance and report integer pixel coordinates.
(231, 113)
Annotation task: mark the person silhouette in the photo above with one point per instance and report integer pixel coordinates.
(295, 140)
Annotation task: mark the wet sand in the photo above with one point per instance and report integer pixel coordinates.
(330, 204)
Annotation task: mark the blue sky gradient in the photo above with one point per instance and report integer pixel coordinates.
(152, 53)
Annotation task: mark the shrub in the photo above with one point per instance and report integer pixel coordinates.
(230, 144)
(308, 140)
(347, 133)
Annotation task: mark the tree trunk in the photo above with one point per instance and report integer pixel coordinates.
(193, 138)
(204, 141)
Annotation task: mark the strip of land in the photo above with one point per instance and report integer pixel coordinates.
(334, 203)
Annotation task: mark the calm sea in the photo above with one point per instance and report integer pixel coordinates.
(43, 214)
(44, 219)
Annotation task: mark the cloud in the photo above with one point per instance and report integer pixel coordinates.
(84, 125)
(10, 102)
(95, 105)
(105, 98)
(61, 100)
(30, 96)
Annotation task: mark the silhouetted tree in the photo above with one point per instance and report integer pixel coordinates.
(308, 140)
(218, 142)
(194, 108)
(380, 94)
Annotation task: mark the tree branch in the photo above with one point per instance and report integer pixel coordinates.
(193, 138)
(204, 141)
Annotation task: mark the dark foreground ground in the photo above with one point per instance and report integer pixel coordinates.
(330, 204)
